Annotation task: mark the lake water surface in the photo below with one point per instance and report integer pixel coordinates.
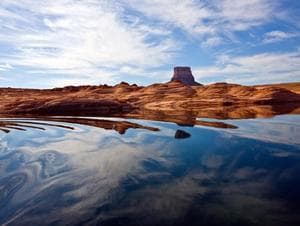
(112, 171)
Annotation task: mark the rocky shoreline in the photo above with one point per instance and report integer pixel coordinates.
(123, 98)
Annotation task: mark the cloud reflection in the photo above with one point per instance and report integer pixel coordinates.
(90, 175)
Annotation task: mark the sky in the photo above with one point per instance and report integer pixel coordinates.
(50, 43)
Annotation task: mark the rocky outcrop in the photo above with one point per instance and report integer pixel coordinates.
(124, 98)
(184, 75)
(292, 86)
(65, 106)
(181, 134)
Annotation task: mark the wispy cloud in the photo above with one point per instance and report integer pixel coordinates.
(277, 36)
(188, 15)
(207, 18)
(212, 42)
(78, 36)
(5, 67)
(260, 68)
(241, 15)
(103, 41)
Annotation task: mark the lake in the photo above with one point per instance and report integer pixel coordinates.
(114, 171)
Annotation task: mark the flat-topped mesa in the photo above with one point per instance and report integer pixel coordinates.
(184, 75)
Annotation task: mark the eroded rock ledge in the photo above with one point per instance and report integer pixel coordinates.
(124, 98)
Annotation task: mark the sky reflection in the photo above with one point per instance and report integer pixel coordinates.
(90, 175)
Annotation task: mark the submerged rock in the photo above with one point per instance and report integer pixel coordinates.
(180, 134)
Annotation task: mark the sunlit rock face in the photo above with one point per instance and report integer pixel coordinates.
(184, 74)
(183, 93)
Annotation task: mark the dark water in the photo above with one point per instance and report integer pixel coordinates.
(135, 172)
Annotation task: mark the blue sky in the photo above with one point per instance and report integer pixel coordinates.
(70, 42)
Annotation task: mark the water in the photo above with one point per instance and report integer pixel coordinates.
(93, 171)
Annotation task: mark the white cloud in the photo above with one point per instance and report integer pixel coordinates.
(5, 67)
(254, 69)
(207, 19)
(240, 15)
(212, 41)
(185, 14)
(78, 36)
(97, 41)
(277, 36)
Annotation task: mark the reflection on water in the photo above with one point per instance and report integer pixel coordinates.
(189, 116)
(89, 171)
(120, 126)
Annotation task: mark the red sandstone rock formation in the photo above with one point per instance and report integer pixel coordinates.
(122, 99)
(184, 75)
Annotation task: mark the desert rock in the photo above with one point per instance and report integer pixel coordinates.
(173, 96)
(184, 75)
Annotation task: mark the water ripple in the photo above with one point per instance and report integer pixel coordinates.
(10, 185)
